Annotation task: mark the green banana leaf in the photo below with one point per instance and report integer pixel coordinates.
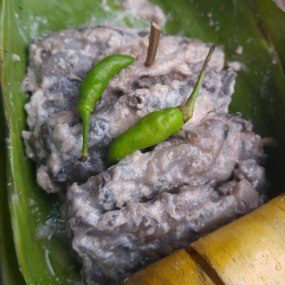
(257, 26)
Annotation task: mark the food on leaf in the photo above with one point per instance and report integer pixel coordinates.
(151, 202)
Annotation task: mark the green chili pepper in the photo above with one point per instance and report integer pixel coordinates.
(156, 126)
(93, 87)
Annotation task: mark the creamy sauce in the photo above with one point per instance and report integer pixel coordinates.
(145, 10)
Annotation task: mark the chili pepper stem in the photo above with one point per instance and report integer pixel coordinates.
(188, 109)
(85, 123)
(153, 44)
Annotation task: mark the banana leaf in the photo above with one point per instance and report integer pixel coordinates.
(254, 26)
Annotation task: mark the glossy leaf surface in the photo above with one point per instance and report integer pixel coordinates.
(256, 26)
